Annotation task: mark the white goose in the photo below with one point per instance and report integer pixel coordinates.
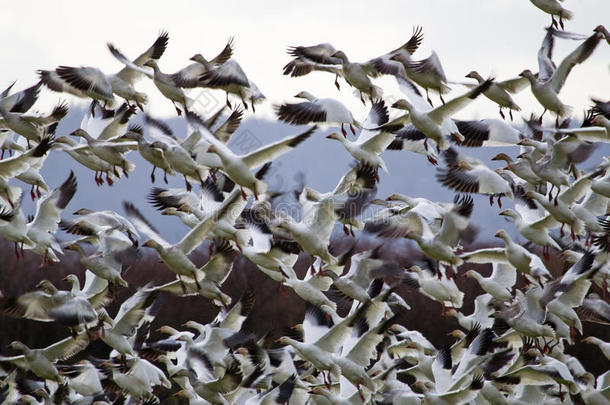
(433, 123)
(323, 110)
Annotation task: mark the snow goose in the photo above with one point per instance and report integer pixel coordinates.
(116, 332)
(140, 378)
(41, 361)
(520, 168)
(110, 152)
(316, 57)
(172, 153)
(500, 92)
(13, 167)
(594, 309)
(441, 246)
(481, 315)
(384, 64)
(169, 88)
(108, 262)
(487, 132)
(33, 128)
(444, 291)
(48, 304)
(326, 110)
(547, 85)
(433, 123)
(175, 256)
(88, 81)
(86, 158)
(355, 75)
(231, 78)
(428, 73)
(122, 82)
(469, 175)
(370, 143)
(536, 232)
(238, 167)
(15, 229)
(554, 8)
(500, 283)
(513, 254)
(41, 230)
(188, 76)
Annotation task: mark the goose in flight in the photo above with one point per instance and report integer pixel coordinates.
(435, 124)
(323, 110)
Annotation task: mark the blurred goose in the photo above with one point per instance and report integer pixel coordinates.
(310, 58)
(433, 123)
(442, 290)
(87, 159)
(175, 256)
(327, 110)
(188, 76)
(536, 232)
(603, 346)
(41, 361)
(33, 128)
(169, 88)
(41, 230)
(487, 132)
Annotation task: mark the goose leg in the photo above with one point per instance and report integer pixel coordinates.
(32, 195)
(554, 22)
(152, 174)
(109, 180)
(243, 194)
(542, 115)
(343, 131)
(351, 231)
(502, 114)
(228, 102)
(16, 250)
(441, 97)
(426, 144)
(188, 185)
(432, 160)
(561, 233)
(428, 98)
(337, 82)
(561, 20)
(500, 201)
(178, 111)
(38, 191)
(165, 176)
(491, 200)
(196, 281)
(352, 129)
(345, 231)
(510, 112)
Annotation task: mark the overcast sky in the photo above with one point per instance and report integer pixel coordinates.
(495, 37)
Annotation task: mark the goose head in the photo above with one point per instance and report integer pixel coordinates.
(528, 74)
(475, 75)
(306, 95)
(502, 156)
(501, 234)
(80, 132)
(199, 58)
(151, 63)
(402, 57)
(152, 244)
(159, 145)
(336, 136)
(17, 345)
(402, 104)
(170, 211)
(509, 213)
(82, 211)
(340, 55)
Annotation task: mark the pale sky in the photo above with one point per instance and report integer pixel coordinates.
(495, 37)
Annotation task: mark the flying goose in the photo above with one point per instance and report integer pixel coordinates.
(41, 230)
(433, 123)
(175, 256)
(356, 76)
(231, 78)
(41, 361)
(469, 175)
(315, 109)
(188, 76)
(310, 58)
(20, 101)
(428, 73)
(547, 85)
(370, 143)
(500, 92)
(238, 168)
(110, 152)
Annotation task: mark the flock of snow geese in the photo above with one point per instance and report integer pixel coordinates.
(511, 349)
